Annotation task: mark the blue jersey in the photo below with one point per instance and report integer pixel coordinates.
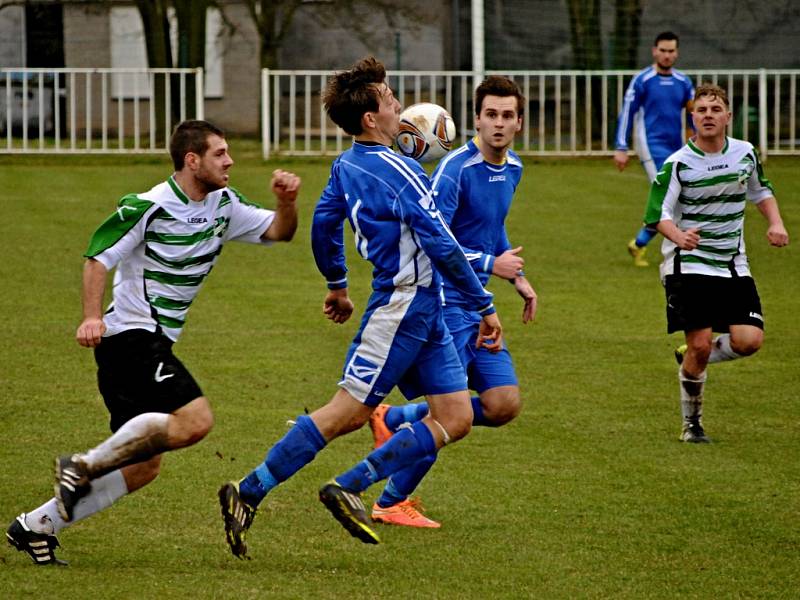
(388, 201)
(474, 197)
(655, 102)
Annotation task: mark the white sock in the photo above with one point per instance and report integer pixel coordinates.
(721, 349)
(105, 491)
(141, 438)
(691, 394)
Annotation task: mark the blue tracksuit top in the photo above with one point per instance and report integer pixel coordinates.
(474, 197)
(655, 102)
(388, 201)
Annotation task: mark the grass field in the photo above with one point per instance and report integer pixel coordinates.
(588, 494)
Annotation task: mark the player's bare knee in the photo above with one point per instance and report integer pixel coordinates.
(747, 345)
(342, 414)
(191, 423)
(458, 428)
(201, 425)
(503, 406)
(699, 348)
(450, 427)
(505, 415)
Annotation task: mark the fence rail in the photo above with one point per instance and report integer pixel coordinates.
(568, 113)
(71, 110)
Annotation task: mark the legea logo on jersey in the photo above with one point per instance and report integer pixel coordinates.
(362, 369)
(497, 178)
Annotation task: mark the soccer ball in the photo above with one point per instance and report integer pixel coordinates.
(426, 132)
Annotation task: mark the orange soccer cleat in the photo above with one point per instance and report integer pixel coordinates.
(406, 513)
(377, 423)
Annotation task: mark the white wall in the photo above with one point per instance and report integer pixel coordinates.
(12, 36)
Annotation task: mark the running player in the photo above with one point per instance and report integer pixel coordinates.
(163, 244)
(697, 202)
(474, 186)
(654, 101)
(402, 340)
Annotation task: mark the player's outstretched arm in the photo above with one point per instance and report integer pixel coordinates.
(776, 232)
(337, 306)
(285, 186)
(92, 328)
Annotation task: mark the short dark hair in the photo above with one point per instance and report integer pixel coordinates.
(497, 85)
(666, 36)
(349, 94)
(712, 91)
(191, 136)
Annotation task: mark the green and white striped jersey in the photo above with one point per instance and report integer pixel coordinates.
(695, 189)
(163, 246)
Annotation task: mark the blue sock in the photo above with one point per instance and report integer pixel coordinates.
(477, 413)
(410, 413)
(294, 451)
(405, 481)
(644, 236)
(415, 411)
(406, 447)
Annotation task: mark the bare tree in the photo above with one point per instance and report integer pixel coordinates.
(191, 20)
(627, 21)
(273, 19)
(584, 23)
(159, 54)
(156, 32)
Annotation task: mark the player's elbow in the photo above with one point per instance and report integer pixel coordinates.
(281, 231)
(288, 234)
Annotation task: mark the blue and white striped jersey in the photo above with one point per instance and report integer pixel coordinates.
(655, 102)
(474, 197)
(388, 201)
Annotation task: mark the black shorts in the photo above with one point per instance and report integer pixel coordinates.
(703, 301)
(138, 373)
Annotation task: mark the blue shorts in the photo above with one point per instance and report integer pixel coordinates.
(402, 342)
(484, 369)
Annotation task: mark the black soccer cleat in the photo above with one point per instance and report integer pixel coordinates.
(349, 510)
(237, 515)
(693, 432)
(72, 483)
(39, 546)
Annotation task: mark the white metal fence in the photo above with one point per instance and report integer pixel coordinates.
(569, 113)
(99, 110)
